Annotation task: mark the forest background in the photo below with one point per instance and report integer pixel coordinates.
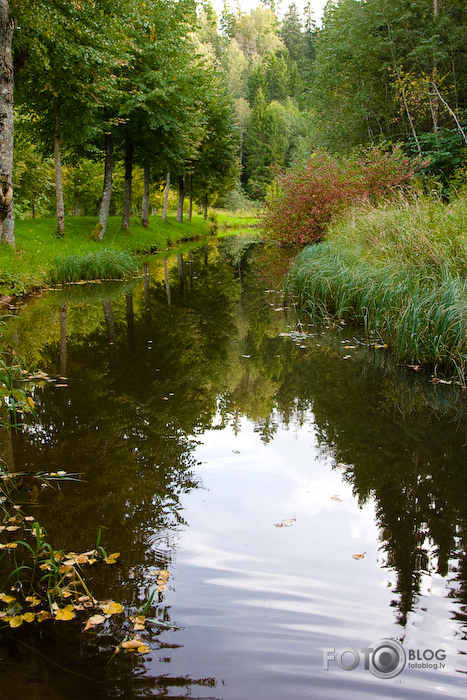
(117, 98)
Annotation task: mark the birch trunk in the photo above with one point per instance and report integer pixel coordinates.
(128, 178)
(107, 189)
(145, 207)
(166, 197)
(6, 121)
(58, 169)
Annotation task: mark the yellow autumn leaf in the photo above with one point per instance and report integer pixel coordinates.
(65, 614)
(12, 528)
(93, 621)
(7, 598)
(44, 615)
(16, 621)
(33, 601)
(29, 617)
(358, 556)
(82, 559)
(12, 545)
(112, 608)
(134, 643)
(143, 649)
(111, 559)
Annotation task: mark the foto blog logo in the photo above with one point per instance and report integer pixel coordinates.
(385, 658)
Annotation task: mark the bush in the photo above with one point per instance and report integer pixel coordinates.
(306, 198)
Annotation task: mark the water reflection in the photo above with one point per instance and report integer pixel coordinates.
(198, 414)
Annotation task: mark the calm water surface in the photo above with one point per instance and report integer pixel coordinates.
(199, 414)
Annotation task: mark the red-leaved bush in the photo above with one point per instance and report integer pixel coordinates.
(305, 198)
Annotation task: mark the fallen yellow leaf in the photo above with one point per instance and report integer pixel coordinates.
(65, 614)
(134, 643)
(112, 557)
(29, 617)
(16, 621)
(7, 598)
(112, 608)
(44, 615)
(93, 621)
(358, 556)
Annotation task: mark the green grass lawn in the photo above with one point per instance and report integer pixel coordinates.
(41, 259)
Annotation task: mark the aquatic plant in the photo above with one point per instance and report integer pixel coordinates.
(398, 271)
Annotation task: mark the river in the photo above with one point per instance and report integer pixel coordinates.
(251, 456)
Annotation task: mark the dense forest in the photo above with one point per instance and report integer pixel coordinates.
(115, 101)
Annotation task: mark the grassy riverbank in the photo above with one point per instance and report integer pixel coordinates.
(41, 259)
(400, 271)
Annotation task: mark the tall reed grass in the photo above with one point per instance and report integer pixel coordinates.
(103, 264)
(400, 271)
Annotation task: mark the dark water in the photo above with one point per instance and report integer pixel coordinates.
(198, 414)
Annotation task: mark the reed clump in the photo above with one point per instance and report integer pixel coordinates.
(401, 271)
(100, 264)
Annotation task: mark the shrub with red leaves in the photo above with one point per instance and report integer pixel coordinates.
(304, 199)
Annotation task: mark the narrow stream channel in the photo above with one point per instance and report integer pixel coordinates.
(199, 416)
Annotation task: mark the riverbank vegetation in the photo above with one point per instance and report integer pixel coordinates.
(399, 270)
(41, 258)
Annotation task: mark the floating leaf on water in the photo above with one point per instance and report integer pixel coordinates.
(335, 498)
(349, 347)
(285, 523)
(358, 556)
(246, 356)
(236, 452)
(16, 621)
(112, 608)
(29, 617)
(134, 643)
(111, 559)
(161, 588)
(7, 598)
(347, 357)
(342, 466)
(93, 621)
(143, 649)
(44, 615)
(65, 614)
(33, 601)
(29, 518)
(417, 368)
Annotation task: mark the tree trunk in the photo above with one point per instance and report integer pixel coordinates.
(205, 207)
(6, 119)
(99, 231)
(181, 197)
(190, 211)
(128, 177)
(145, 208)
(147, 295)
(58, 169)
(167, 283)
(130, 322)
(8, 235)
(111, 334)
(63, 353)
(166, 197)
